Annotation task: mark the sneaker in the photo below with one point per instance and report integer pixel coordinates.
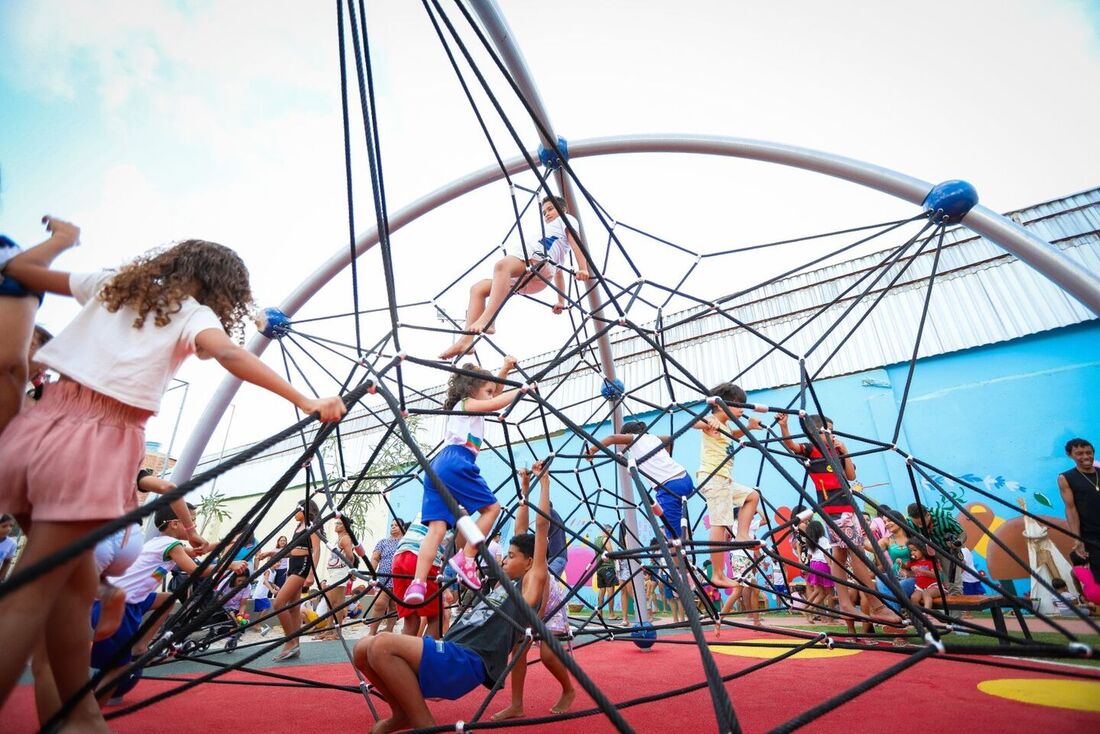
(466, 568)
(264, 630)
(415, 593)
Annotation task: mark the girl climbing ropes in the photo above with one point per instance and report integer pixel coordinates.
(527, 277)
(456, 465)
(136, 326)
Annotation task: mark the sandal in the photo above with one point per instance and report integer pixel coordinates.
(288, 654)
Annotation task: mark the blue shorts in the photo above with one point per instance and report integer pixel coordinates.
(907, 586)
(448, 670)
(669, 497)
(261, 605)
(973, 588)
(103, 652)
(457, 469)
(11, 286)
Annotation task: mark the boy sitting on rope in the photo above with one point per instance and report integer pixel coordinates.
(527, 277)
(406, 670)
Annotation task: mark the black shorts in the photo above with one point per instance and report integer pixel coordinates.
(299, 566)
(606, 578)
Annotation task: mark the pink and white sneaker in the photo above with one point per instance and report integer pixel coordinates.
(466, 568)
(415, 593)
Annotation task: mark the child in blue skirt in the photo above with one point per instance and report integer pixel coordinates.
(471, 393)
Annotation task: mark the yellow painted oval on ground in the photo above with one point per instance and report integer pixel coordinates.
(1077, 695)
(781, 646)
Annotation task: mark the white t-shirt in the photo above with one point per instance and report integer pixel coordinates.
(151, 567)
(556, 240)
(259, 587)
(819, 551)
(464, 430)
(103, 351)
(658, 468)
(968, 559)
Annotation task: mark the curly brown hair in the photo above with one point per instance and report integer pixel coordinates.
(159, 280)
(461, 386)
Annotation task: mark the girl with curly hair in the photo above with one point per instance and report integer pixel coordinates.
(68, 465)
(471, 393)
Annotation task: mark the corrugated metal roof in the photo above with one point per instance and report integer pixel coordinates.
(982, 295)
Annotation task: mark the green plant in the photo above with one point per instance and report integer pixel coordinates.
(214, 506)
(394, 460)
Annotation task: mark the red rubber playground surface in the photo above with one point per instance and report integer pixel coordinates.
(933, 695)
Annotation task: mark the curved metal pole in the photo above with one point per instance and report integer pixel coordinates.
(1082, 285)
(498, 30)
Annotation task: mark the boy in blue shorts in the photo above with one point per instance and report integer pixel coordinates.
(653, 455)
(159, 555)
(407, 670)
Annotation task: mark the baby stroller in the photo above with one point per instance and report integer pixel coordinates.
(222, 623)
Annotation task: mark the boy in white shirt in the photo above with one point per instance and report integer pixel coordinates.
(653, 455)
(159, 556)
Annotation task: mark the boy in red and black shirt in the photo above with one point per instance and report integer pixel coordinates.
(835, 501)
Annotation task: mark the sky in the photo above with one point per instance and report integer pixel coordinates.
(147, 123)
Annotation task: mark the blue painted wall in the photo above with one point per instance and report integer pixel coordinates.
(999, 414)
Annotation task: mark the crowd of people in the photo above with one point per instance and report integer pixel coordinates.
(104, 607)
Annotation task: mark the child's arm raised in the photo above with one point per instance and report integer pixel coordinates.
(490, 405)
(179, 506)
(241, 363)
(615, 439)
(523, 513)
(180, 556)
(32, 268)
(789, 442)
(534, 582)
(506, 368)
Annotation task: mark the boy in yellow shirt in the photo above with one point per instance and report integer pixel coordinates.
(715, 482)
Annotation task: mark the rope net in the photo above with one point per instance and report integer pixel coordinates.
(640, 301)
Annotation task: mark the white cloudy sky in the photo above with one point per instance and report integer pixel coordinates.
(155, 121)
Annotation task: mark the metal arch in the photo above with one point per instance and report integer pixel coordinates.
(1049, 261)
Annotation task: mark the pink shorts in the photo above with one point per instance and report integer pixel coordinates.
(74, 456)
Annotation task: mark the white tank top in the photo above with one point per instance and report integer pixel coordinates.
(658, 468)
(464, 430)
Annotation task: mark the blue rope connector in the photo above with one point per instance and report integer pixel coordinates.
(949, 202)
(549, 157)
(612, 389)
(273, 323)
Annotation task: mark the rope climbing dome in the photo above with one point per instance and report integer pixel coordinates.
(622, 299)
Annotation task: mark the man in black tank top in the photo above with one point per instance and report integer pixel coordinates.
(406, 670)
(1080, 488)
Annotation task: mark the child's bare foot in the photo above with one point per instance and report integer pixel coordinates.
(480, 325)
(723, 582)
(564, 702)
(886, 617)
(112, 605)
(515, 711)
(457, 349)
